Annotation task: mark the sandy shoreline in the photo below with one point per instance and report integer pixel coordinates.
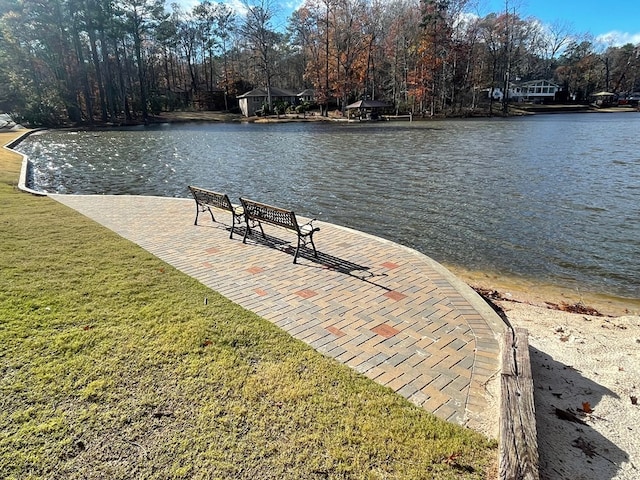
(586, 366)
(586, 376)
(536, 293)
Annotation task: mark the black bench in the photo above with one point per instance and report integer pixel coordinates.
(206, 199)
(256, 213)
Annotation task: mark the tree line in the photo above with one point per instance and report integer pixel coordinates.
(121, 61)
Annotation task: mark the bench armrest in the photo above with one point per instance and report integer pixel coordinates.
(308, 227)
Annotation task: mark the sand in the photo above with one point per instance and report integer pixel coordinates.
(587, 366)
(586, 373)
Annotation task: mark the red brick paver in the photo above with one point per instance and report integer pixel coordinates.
(385, 310)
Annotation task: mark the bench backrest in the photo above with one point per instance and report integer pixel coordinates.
(210, 198)
(267, 213)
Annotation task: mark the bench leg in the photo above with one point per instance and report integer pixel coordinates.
(211, 213)
(315, 253)
(255, 222)
(246, 232)
(295, 257)
(301, 240)
(202, 209)
(235, 220)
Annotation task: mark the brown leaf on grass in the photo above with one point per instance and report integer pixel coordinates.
(564, 338)
(451, 458)
(87, 327)
(206, 343)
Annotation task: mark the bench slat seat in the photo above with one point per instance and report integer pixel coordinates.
(255, 213)
(208, 199)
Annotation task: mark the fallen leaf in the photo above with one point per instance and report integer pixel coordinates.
(586, 407)
(579, 308)
(634, 400)
(451, 458)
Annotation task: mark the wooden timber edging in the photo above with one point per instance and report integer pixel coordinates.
(518, 433)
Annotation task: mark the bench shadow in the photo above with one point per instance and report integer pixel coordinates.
(323, 260)
(568, 446)
(268, 240)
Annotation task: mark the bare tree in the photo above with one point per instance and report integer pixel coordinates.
(261, 38)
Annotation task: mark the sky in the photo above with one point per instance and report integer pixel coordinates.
(612, 24)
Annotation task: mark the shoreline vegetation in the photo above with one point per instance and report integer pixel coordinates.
(515, 111)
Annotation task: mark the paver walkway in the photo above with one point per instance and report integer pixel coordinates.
(385, 310)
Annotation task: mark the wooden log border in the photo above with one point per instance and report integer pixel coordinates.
(518, 433)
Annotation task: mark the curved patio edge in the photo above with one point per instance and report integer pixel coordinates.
(385, 310)
(493, 319)
(26, 166)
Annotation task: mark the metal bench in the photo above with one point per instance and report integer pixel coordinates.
(256, 213)
(207, 199)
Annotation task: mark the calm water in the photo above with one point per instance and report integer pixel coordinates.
(553, 198)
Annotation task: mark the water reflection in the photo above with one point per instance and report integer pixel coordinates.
(555, 198)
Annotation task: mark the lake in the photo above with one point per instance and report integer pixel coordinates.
(554, 198)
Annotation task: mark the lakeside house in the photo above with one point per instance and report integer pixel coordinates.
(253, 100)
(536, 91)
(307, 95)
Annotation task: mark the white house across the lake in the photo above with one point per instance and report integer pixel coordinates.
(537, 91)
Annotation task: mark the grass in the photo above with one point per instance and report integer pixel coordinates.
(112, 366)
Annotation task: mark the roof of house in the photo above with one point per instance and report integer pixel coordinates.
(367, 104)
(262, 92)
(537, 82)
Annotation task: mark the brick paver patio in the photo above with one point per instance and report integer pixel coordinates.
(384, 310)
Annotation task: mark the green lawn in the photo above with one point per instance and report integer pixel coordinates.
(113, 367)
